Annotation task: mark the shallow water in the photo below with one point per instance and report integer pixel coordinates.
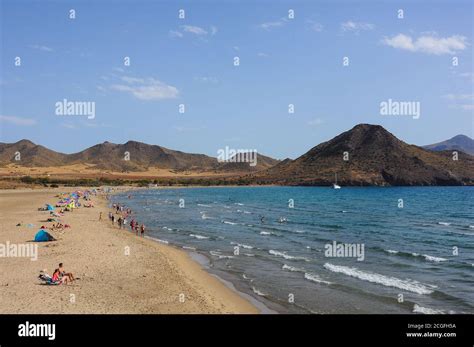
(280, 259)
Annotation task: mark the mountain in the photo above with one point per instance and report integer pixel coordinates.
(375, 157)
(30, 154)
(138, 156)
(132, 156)
(458, 143)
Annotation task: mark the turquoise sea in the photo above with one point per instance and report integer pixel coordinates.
(271, 242)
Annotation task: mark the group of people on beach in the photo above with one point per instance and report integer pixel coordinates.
(60, 276)
(123, 214)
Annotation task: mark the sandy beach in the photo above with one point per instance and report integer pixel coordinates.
(152, 278)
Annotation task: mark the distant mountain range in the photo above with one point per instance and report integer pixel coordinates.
(132, 156)
(457, 143)
(365, 155)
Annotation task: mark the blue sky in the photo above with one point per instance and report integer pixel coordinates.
(190, 61)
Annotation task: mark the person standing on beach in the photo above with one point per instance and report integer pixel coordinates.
(113, 219)
(142, 229)
(100, 215)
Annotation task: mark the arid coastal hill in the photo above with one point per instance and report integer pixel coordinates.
(370, 155)
(365, 155)
(130, 157)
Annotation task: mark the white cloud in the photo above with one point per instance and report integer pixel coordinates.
(428, 43)
(459, 97)
(132, 80)
(194, 30)
(315, 26)
(17, 120)
(461, 101)
(262, 55)
(271, 25)
(87, 124)
(68, 126)
(42, 48)
(207, 79)
(188, 129)
(174, 33)
(315, 122)
(356, 27)
(146, 88)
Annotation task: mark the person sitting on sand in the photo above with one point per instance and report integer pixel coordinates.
(64, 273)
(57, 277)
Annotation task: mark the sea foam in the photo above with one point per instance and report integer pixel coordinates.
(199, 237)
(315, 278)
(425, 310)
(408, 285)
(286, 256)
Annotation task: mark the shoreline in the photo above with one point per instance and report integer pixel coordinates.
(153, 278)
(199, 258)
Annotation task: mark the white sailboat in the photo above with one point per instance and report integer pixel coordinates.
(335, 185)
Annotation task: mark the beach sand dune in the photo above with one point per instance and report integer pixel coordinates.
(153, 278)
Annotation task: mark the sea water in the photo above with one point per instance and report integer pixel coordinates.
(271, 243)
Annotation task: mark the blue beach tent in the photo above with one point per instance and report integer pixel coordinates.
(49, 207)
(43, 236)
